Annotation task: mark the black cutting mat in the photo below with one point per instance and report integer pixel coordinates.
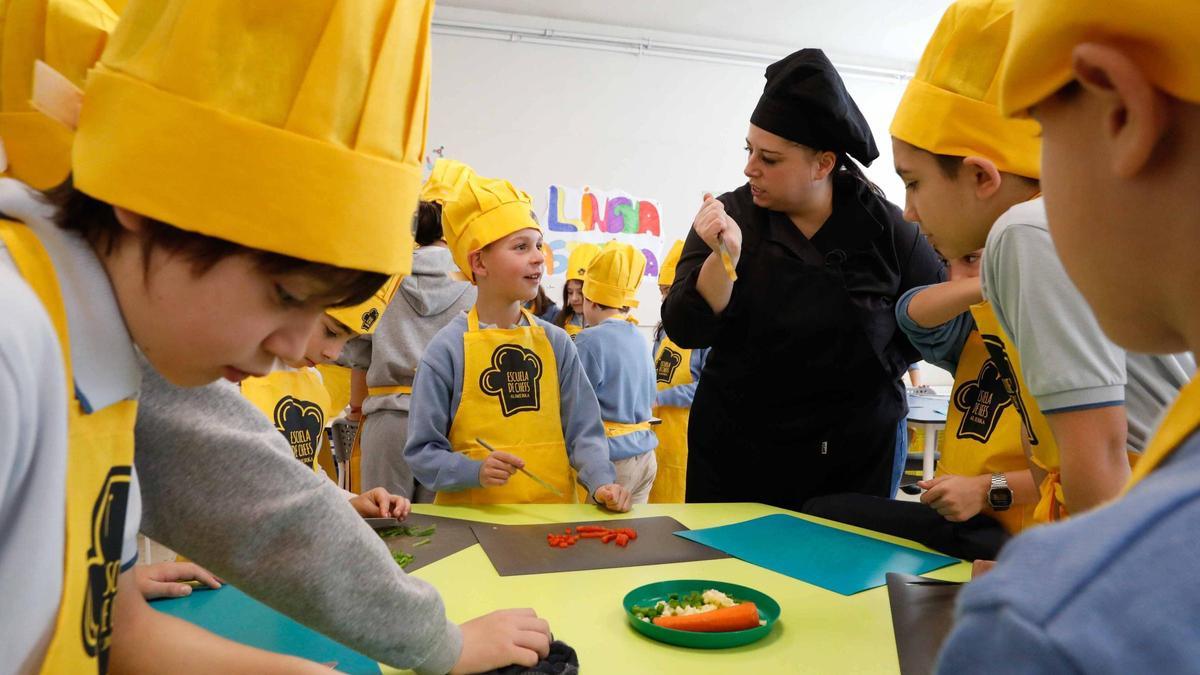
(452, 536)
(522, 549)
(922, 615)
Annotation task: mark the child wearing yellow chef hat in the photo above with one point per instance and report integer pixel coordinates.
(971, 178)
(208, 223)
(295, 397)
(570, 317)
(499, 376)
(614, 356)
(1116, 89)
(676, 374)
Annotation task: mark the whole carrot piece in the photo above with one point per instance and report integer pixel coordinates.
(742, 616)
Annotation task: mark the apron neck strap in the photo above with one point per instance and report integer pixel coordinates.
(473, 318)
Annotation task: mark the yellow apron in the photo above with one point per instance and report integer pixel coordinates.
(572, 329)
(337, 383)
(298, 403)
(1007, 361)
(673, 367)
(983, 427)
(510, 399)
(99, 469)
(1180, 422)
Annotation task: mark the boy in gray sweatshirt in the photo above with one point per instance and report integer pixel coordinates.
(426, 301)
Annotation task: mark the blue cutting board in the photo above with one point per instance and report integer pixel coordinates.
(232, 614)
(836, 560)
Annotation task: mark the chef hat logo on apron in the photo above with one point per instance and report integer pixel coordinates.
(301, 423)
(1008, 377)
(514, 378)
(981, 402)
(667, 363)
(369, 318)
(104, 563)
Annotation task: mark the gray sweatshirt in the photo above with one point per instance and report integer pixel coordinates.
(426, 301)
(220, 485)
(437, 393)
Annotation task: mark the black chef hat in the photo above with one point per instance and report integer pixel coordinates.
(806, 102)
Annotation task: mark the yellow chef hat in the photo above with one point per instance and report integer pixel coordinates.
(666, 271)
(581, 256)
(445, 181)
(68, 35)
(614, 276)
(362, 318)
(481, 211)
(951, 105)
(291, 127)
(1162, 37)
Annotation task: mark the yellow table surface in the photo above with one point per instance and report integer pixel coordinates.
(818, 631)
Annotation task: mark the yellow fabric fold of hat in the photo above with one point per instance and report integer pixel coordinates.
(577, 262)
(364, 317)
(69, 36)
(482, 210)
(1161, 36)
(666, 270)
(291, 127)
(951, 106)
(614, 276)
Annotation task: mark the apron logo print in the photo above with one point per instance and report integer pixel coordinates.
(104, 563)
(301, 423)
(1008, 377)
(668, 361)
(513, 378)
(369, 318)
(982, 401)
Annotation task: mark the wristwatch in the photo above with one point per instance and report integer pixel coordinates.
(999, 496)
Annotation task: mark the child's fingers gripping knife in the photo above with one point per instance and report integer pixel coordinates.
(498, 468)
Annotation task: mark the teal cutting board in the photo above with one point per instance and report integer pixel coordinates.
(234, 615)
(836, 560)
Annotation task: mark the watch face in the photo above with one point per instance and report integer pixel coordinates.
(1000, 498)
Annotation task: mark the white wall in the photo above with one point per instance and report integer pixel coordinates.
(660, 128)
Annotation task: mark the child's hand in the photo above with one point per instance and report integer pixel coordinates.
(498, 468)
(379, 503)
(613, 497)
(503, 638)
(163, 580)
(956, 498)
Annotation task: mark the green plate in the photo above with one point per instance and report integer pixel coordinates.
(768, 610)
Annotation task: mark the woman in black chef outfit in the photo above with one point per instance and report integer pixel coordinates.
(801, 395)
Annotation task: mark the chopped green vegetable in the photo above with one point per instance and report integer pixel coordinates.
(421, 543)
(402, 559)
(408, 531)
(415, 531)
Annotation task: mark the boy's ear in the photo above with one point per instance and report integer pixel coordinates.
(1133, 111)
(984, 175)
(478, 268)
(133, 222)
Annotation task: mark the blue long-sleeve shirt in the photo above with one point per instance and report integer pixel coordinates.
(437, 393)
(621, 371)
(680, 396)
(941, 345)
(1113, 590)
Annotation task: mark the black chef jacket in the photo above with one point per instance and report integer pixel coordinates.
(801, 394)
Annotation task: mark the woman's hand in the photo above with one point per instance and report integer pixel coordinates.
(715, 226)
